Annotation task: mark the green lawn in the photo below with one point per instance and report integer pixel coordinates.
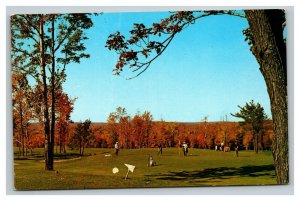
(200, 168)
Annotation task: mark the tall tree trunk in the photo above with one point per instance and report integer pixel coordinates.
(48, 144)
(22, 129)
(80, 148)
(256, 143)
(52, 86)
(270, 51)
(261, 139)
(27, 138)
(60, 139)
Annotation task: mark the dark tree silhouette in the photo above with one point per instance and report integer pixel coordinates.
(82, 136)
(254, 115)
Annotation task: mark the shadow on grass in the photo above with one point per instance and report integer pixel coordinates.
(217, 173)
(57, 156)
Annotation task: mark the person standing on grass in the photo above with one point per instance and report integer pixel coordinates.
(185, 149)
(237, 151)
(117, 148)
(160, 149)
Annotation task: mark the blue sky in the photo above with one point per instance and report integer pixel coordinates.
(207, 70)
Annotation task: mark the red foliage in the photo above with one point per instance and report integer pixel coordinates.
(169, 134)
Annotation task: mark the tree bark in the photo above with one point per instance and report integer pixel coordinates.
(270, 51)
(22, 129)
(60, 138)
(48, 144)
(256, 143)
(52, 86)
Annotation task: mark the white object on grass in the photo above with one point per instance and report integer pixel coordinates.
(115, 170)
(107, 155)
(130, 168)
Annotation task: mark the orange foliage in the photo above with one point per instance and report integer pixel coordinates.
(169, 134)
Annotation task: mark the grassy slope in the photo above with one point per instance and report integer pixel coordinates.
(200, 168)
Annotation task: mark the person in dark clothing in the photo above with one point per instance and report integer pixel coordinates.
(160, 149)
(236, 151)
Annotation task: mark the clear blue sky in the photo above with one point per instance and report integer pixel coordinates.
(207, 70)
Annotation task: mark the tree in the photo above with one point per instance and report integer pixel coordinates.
(22, 97)
(119, 126)
(125, 131)
(211, 135)
(205, 130)
(169, 134)
(64, 108)
(254, 115)
(137, 130)
(159, 130)
(147, 117)
(141, 129)
(82, 136)
(42, 46)
(224, 128)
(112, 128)
(269, 49)
(267, 44)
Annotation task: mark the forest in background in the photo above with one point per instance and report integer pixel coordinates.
(137, 132)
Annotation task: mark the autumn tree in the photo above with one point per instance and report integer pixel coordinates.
(254, 115)
(211, 135)
(137, 130)
(170, 134)
(267, 44)
(82, 136)
(112, 128)
(205, 130)
(141, 128)
(64, 108)
(22, 97)
(101, 136)
(36, 136)
(147, 118)
(119, 126)
(161, 133)
(125, 131)
(42, 46)
(157, 133)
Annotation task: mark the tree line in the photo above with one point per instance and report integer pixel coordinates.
(141, 131)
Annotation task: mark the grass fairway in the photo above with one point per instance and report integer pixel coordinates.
(200, 168)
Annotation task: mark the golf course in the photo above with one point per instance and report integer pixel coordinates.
(202, 167)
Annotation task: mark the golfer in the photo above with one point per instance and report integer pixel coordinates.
(237, 151)
(185, 149)
(160, 149)
(117, 148)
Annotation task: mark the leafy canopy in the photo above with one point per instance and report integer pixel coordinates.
(63, 37)
(147, 43)
(253, 114)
